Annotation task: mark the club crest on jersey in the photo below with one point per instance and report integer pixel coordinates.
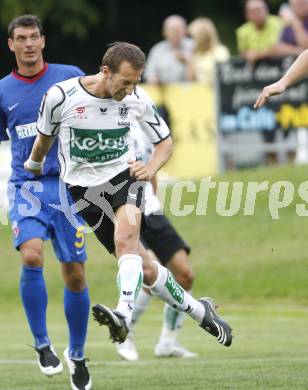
(123, 112)
(80, 113)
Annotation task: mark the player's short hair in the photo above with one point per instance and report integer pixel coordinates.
(25, 21)
(123, 51)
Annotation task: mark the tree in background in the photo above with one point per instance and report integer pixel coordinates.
(71, 17)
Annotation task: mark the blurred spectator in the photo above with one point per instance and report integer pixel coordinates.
(294, 37)
(208, 50)
(167, 59)
(260, 33)
(294, 40)
(255, 40)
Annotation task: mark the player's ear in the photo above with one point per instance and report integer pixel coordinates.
(106, 72)
(10, 43)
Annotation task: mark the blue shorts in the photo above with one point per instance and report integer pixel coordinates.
(38, 211)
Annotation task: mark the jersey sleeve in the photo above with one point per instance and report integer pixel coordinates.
(149, 120)
(48, 122)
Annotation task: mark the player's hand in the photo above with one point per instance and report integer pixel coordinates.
(34, 167)
(267, 92)
(139, 170)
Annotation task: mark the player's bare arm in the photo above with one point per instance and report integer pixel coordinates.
(297, 71)
(41, 147)
(160, 156)
(154, 183)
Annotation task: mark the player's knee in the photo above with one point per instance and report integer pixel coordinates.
(149, 273)
(76, 281)
(31, 257)
(74, 276)
(125, 243)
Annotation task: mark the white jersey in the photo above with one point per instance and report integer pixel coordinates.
(95, 140)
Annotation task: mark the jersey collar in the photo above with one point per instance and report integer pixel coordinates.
(31, 79)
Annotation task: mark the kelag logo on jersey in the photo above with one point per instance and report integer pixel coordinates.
(96, 145)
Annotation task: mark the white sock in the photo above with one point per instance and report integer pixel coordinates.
(173, 320)
(141, 303)
(130, 277)
(166, 288)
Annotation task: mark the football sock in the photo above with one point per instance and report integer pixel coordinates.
(130, 277)
(173, 320)
(141, 303)
(33, 294)
(76, 308)
(166, 288)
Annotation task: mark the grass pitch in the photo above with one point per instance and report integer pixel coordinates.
(269, 352)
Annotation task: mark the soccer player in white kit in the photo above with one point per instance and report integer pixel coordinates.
(164, 243)
(92, 116)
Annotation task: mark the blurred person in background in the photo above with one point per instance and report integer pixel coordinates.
(208, 50)
(293, 41)
(260, 33)
(294, 37)
(20, 96)
(167, 60)
(255, 41)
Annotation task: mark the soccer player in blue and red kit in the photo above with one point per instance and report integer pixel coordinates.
(33, 219)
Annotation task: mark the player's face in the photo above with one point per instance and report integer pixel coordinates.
(27, 44)
(122, 83)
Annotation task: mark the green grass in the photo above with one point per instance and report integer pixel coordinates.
(255, 267)
(269, 352)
